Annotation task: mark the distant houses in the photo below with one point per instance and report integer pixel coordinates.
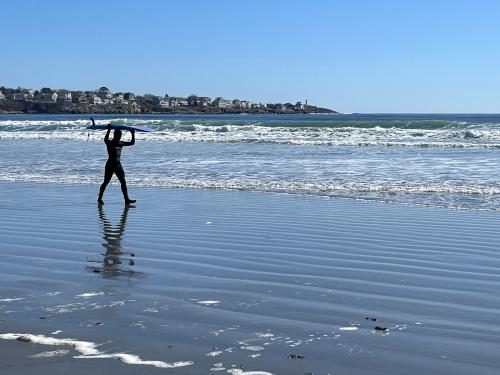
(129, 96)
(64, 96)
(174, 101)
(222, 103)
(93, 98)
(47, 95)
(199, 101)
(103, 99)
(243, 104)
(18, 96)
(165, 102)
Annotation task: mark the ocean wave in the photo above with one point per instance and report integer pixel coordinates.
(484, 197)
(167, 123)
(345, 137)
(377, 133)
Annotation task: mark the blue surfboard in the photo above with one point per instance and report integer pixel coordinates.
(122, 127)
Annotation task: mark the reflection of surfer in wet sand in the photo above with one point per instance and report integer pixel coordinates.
(114, 165)
(113, 238)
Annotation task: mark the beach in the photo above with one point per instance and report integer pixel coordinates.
(250, 188)
(194, 281)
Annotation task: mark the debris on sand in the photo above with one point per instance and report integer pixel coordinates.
(24, 339)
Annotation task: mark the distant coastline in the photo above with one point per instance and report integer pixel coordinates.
(104, 101)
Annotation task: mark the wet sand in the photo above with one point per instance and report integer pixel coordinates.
(202, 281)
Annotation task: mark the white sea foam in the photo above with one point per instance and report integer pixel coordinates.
(90, 294)
(415, 192)
(49, 354)
(88, 350)
(311, 188)
(350, 328)
(252, 348)
(208, 303)
(264, 335)
(235, 371)
(133, 359)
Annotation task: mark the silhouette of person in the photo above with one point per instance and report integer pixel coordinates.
(114, 165)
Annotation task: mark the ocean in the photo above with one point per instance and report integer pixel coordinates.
(432, 160)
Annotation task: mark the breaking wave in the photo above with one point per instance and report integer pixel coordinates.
(347, 133)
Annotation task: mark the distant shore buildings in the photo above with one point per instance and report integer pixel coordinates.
(106, 101)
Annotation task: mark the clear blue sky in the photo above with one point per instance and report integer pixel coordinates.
(350, 55)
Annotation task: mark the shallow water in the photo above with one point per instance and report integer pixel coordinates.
(437, 160)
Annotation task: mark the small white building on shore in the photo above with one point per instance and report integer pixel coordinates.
(94, 99)
(175, 101)
(245, 104)
(64, 96)
(164, 102)
(203, 101)
(220, 102)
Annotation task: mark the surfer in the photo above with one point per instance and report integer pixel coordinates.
(113, 165)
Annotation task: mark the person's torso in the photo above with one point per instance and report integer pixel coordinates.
(114, 151)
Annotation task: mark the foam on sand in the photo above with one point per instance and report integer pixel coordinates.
(88, 350)
(348, 328)
(241, 372)
(50, 354)
(90, 294)
(252, 348)
(208, 303)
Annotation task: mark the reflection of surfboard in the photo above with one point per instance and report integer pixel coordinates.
(122, 127)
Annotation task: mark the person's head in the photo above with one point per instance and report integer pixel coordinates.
(117, 134)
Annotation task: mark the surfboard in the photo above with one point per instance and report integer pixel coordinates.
(121, 127)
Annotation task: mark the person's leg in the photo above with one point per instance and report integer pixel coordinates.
(108, 173)
(120, 173)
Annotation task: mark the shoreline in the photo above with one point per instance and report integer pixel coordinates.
(368, 200)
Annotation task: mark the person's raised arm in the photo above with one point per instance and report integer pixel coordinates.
(106, 137)
(132, 141)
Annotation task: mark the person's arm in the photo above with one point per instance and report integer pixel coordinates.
(132, 141)
(106, 137)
